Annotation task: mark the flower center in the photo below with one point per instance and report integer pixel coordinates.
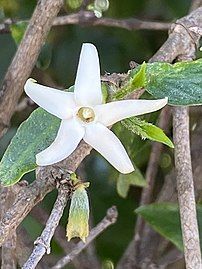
(86, 114)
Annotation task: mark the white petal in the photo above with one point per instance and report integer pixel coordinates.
(109, 146)
(56, 102)
(69, 135)
(88, 85)
(113, 112)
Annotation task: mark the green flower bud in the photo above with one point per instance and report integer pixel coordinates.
(74, 4)
(101, 5)
(78, 214)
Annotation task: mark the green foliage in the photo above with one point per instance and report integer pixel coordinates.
(165, 219)
(135, 81)
(180, 82)
(33, 135)
(17, 31)
(124, 182)
(147, 130)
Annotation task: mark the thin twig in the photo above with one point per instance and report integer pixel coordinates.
(87, 18)
(42, 244)
(108, 220)
(195, 4)
(21, 66)
(24, 104)
(185, 187)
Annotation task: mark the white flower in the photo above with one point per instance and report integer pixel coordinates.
(85, 117)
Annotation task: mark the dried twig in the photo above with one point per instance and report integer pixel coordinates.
(182, 39)
(42, 244)
(195, 4)
(185, 188)
(108, 220)
(86, 18)
(9, 247)
(21, 66)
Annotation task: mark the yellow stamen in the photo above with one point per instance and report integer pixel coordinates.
(86, 114)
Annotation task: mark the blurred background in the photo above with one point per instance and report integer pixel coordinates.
(57, 66)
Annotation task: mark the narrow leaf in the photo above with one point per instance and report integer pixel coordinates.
(147, 130)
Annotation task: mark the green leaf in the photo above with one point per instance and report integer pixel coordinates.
(18, 30)
(180, 82)
(124, 182)
(165, 219)
(136, 80)
(147, 130)
(33, 135)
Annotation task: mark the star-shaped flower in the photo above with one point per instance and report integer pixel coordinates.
(84, 116)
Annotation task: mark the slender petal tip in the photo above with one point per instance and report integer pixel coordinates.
(88, 45)
(127, 169)
(165, 100)
(28, 82)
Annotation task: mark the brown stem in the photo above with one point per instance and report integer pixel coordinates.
(87, 18)
(182, 39)
(185, 188)
(42, 244)
(9, 247)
